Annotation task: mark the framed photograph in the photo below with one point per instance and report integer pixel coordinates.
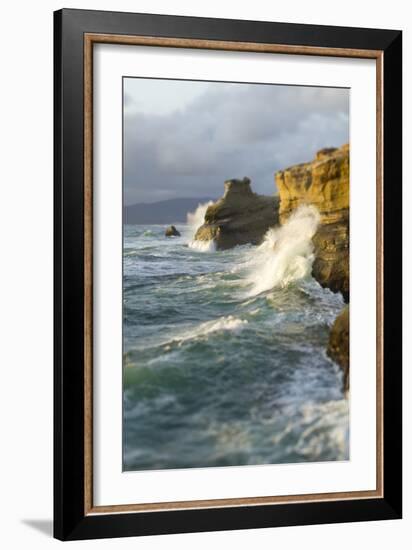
(227, 274)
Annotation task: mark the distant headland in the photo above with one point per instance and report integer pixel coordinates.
(164, 212)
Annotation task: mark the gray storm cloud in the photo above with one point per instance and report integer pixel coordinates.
(230, 130)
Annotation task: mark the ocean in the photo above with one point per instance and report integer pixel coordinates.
(224, 352)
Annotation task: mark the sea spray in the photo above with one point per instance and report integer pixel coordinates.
(195, 220)
(286, 254)
(203, 246)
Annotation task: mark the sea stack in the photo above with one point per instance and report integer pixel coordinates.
(239, 217)
(171, 231)
(323, 182)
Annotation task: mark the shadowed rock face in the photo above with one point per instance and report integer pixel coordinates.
(338, 348)
(239, 217)
(324, 182)
(171, 231)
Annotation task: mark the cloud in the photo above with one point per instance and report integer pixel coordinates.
(231, 130)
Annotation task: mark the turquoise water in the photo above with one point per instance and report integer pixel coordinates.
(216, 374)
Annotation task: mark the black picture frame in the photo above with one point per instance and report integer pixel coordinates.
(70, 520)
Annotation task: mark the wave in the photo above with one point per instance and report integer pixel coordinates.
(157, 348)
(286, 254)
(228, 323)
(323, 430)
(202, 331)
(196, 219)
(203, 246)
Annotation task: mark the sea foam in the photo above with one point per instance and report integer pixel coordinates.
(203, 246)
(286, 254)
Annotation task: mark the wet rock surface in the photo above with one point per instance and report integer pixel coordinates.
(171, 231)
(338, 347)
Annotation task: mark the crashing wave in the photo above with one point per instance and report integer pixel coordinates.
(203, 246)
(194, 221)
(197, 218)
(286, 254)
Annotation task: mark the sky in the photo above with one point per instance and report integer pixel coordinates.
(184, 138)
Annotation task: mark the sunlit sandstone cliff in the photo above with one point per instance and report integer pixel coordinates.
(239, 217)
(323, 182)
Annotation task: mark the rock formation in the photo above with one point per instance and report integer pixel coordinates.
(239, 217)
(171, 231)
(338, 348)
(324, 182)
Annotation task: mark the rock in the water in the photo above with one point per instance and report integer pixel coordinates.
(324, 182)
(338, 348)
(239, 217)
(171, 231)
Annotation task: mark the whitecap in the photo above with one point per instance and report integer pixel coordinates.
(228, 323)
